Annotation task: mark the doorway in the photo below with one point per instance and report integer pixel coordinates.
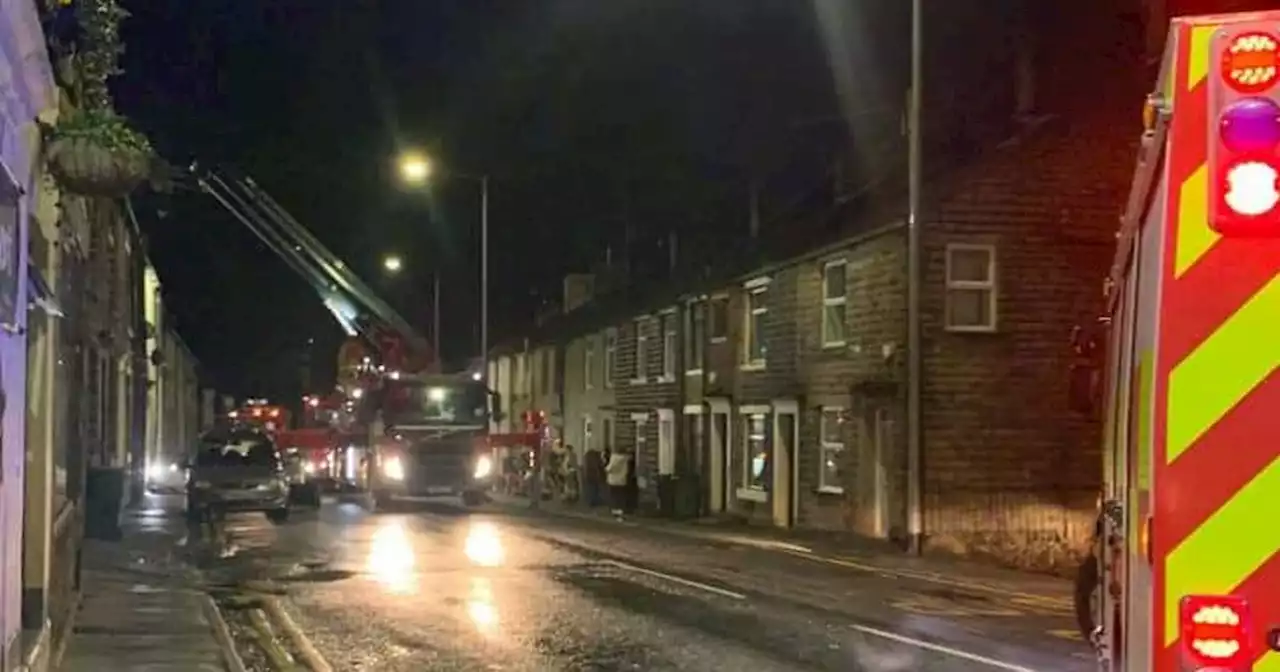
(720, 442)
(786, 475)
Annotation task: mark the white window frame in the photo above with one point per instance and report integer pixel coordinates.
(711, 302)
(745, 491)
(588, 363)
(758, 287)
(832, 302)
(610, 356)
(640, 420)
(825, 446)
(670, 341)
(666, 442)
(692, 336)
(642, 350)
(990, 286)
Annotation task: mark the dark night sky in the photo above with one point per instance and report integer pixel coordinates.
(587, 114)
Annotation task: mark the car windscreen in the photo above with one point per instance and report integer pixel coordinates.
(237, 450)
(453, 404)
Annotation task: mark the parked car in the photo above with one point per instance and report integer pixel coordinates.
(237, 470)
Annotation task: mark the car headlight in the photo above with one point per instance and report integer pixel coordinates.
(154, 472)
(393, 469)
(309, 468)
(484, 466)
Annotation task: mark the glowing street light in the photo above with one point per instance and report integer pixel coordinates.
(414, 168)
(392, 264)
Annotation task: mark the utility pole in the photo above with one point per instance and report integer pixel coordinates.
(915, 360)
(435, 312)
(484, 277)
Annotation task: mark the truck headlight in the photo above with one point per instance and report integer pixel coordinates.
(393, 469)
(484, 466)
(154, 472)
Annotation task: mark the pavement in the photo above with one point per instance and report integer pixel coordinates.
(142, 606)
(434, 586)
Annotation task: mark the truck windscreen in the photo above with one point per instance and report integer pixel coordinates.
(414, 401)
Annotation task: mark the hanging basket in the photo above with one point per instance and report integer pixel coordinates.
(83, 166)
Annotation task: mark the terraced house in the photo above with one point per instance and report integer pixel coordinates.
(775, 388)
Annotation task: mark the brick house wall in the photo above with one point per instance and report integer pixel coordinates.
(1011, 470)
(640, 393)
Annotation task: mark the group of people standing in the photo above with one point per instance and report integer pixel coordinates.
(602, 477)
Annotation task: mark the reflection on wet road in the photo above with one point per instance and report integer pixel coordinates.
(439, 588)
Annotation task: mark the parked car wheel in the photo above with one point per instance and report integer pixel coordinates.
(278, 515)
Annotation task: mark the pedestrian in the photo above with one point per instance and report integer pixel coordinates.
(616, 475)
(593, 462)
(569, 469)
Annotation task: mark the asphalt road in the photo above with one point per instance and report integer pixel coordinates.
(436, 587)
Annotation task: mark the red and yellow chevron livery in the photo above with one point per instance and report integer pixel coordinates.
(1216, 412)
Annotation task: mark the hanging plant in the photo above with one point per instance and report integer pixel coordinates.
(94, 152)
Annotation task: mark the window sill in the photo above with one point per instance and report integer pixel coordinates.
(752, 495)
(830, 490)
(637, 381)
(753, 366)
(665, 379)
(970, 329)
(693, 372)
(834, 345)
(717, 340)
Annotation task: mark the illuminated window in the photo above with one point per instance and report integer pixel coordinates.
(831, 428)
(756, 446)
(834, 296)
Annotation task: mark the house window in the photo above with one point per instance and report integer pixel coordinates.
(754, 349)
(718, 319)
(666, 442)
(831, 433)
(589, 364)
(586, 433)
(642, 350)
(971, 288)
(695, 336)
(834, 295)
(755, 451)
(610, 356)
(669, 336)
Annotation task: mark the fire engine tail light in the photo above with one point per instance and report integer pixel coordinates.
(1250, 60)
(1216, 632)
(1245, 154)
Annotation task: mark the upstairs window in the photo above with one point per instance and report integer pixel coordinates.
(610, 356)
(834, 296)
(718, 319)
(971, 288)
(667, 325)
(642, 350)
(753, 341)
(695, 336)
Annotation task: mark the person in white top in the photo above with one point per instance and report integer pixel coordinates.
(616, 475)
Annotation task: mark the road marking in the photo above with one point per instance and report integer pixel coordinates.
(932, 606)
(938, 648)
(677, 579)
(1026, 598)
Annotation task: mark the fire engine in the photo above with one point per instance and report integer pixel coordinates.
(1186, 574)
(261, 415)
(404, 428)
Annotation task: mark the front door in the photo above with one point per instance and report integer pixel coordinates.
(719, 476)
(882, 437)
(784, 469)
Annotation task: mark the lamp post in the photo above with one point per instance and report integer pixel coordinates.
(915, 364)
(416, 170)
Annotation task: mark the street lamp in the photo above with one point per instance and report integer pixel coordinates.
(392, 264)
(416, 169)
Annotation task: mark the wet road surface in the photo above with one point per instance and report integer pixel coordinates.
(436, 587)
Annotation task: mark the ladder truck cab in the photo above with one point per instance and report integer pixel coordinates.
(1185, 575)
(429, 437)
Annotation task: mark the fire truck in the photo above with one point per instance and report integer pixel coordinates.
(406, 428)
(1186, 571)
(261, 415)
